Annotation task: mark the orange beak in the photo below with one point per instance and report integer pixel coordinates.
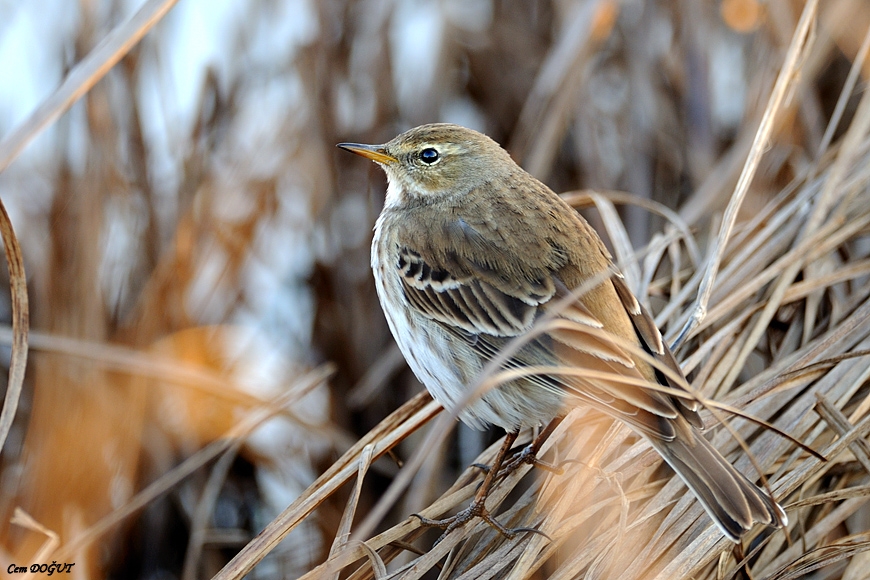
(374, 152)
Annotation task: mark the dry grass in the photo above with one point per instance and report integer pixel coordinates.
(158, 352)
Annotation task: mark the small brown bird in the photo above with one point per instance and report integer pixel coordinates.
(469, 252)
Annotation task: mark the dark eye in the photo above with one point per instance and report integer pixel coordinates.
(429, 155)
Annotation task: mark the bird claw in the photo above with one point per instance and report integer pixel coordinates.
(495, 473)
(476, 509)
(529, 455)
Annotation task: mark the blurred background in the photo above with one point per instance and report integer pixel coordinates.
(195, 243)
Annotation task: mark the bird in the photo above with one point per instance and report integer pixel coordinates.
(469, 253)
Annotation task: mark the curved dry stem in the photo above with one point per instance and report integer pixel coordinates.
(20, 324)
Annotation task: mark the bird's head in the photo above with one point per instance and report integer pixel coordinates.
(433, 162)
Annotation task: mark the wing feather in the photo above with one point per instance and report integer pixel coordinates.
(652, 340)
(476, 292)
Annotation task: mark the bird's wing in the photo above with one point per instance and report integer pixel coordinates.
(653, 342)
(480, 289)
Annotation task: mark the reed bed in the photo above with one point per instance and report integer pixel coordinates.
(211, 390)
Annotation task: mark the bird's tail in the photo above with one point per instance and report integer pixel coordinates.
(734, 502)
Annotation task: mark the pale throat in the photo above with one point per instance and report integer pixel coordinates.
(401, 191)
(394, 196)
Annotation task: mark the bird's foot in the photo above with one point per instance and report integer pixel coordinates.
(526, 455)
(529, 455)
(477, 509)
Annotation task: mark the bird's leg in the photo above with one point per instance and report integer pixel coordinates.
(478, 505)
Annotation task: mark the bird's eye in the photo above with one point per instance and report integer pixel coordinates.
(429, 155)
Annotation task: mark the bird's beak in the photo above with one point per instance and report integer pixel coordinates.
(374, 152)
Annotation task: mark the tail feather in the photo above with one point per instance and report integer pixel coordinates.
(734, 502)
